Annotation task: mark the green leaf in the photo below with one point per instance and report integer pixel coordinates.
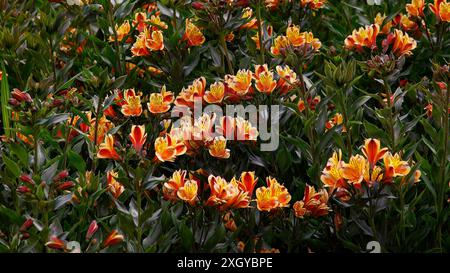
(20, 152)
(4, 97)
(76, 161)
(187, 237)
(11, 166)
(58, 118)
(50, 172)
(62, 200)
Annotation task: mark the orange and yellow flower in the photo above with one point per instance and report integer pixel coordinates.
(140, 21)
(106, 149)
(167, 148)
(280, 44)
(313, 4)
(156, 23)
(332, 173)
(225, 194)
(314, 203)
(104, 125)
(395, 166)
(170, 188)
(403, 44)
(363, 37)
(121, 31)
(215, 94)
(273, 196)
(113, 238)
(415, 8)
(245, 130)
(379, 19)
(138, 137)
(441, 8)
(252, 23)
(193, 35)
(294, 38)
(372, 151)
(114, 187)
(355, 170)
(287, 78)
(148, 41)
(188, 192)
(160, 102)
(179, 187)
(132, 103)
(264, 79)
(218, 148)
(247, 182)
(187, 96)
(239, 84)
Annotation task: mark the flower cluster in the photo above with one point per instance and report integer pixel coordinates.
(363, 169)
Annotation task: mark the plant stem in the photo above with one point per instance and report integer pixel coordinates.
(138, 205)
(443, 167)
(223, 42)
(260, 32)
(391, 116)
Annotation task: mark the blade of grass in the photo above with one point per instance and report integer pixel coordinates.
(4, 94)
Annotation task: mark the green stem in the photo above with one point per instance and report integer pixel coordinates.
(139, 227)
(443, 167)
(260, 32)
(223, 42)
(391, 116)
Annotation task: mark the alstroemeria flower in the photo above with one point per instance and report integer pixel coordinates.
(363, 37)
(239, 84)
(138, 136)
(332, 173)
(140, 21)
(247, 13)
(104, 125)
(273, 196)
(156, 22)
(247, 182)
(313, 4)
(225, 194)
(314, 203)
(379, 19)
(132, 105)
(114, 187)
(416, 8)
(288, 78)
(107, 150)
(113, 238)
(355, 170)
(264, 79)
(187, 96)
(245, 130)
(188, 192)
(154, 40)
(56, 243)
(167, 148)
(372, 151)
(403, 44)
(193, 35)
(170, 188)
(218, 148)
(160, 102)
(395, 166)
(121, 31)
(441, 8)
(215, 93)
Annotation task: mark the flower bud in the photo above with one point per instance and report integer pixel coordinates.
(93, 227)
